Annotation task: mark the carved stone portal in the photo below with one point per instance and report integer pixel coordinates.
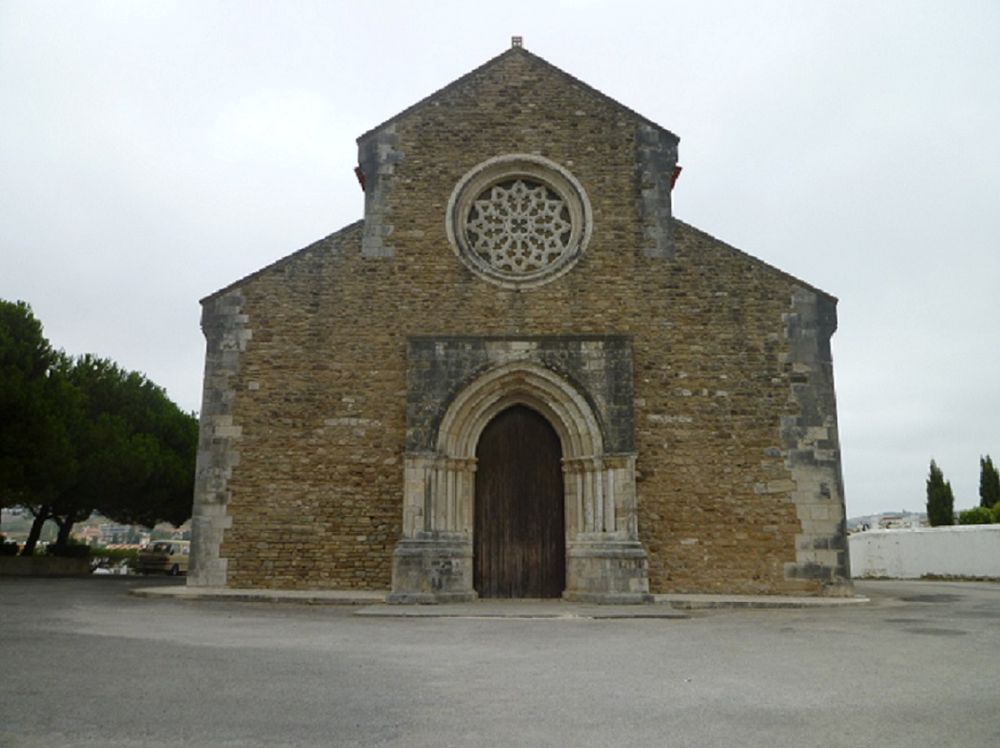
(605, 561)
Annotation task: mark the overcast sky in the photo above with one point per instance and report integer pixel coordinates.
(153, 152)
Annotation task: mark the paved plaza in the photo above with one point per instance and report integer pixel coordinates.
(87, 664)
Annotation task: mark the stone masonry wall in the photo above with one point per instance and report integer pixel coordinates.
(601, 366)
(320, 392)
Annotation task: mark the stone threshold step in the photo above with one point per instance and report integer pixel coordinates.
(664, 606)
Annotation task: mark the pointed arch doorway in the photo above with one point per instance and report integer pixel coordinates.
(519, 525)
(435, 558)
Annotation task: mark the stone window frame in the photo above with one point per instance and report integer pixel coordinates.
(537, 169)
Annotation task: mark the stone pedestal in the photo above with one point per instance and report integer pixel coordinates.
(612, 572)
(432, 568)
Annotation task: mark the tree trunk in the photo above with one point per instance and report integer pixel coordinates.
(41, 515)
(65, 525)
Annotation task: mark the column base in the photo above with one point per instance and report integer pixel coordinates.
(611, 572)
(431, 569)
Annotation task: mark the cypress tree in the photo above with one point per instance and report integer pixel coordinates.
(989, 483)
(940, 499)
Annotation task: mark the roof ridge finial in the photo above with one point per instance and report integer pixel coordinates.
(516, 42)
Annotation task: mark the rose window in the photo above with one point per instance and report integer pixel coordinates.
(519, 221)
(519, 226)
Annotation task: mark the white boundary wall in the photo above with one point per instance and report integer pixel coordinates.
(960, 550)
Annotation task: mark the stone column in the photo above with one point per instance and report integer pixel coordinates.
(605, 562)
(433, 560)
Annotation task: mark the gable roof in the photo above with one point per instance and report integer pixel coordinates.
(753, 259)
(498, 60)
(334, 240)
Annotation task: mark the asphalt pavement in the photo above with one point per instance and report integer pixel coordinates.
(86, 664)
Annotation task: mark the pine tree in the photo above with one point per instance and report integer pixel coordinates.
(940, 499)
(989, 483)
(79, 435)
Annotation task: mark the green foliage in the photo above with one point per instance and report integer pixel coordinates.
(8, 549)
(978, 515)
(34, 443)
(114, 554)
(106, 557)
(69, 550)
(940, 499)
(995, 511)
(83, 435)
(989, 483)
(140, 452)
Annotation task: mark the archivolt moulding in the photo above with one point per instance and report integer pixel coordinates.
(604, 560)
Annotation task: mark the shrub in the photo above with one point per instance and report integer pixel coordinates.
(69, 551)
(112, 556)
(989, 483)
(976, 516)
(116, 554)
(940, 499)
(8, 549)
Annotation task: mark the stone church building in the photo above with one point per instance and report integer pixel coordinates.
(519, 375)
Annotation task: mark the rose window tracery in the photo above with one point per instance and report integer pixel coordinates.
(519, 221)
(519, 226)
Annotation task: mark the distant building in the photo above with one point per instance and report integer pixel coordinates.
(112, 532)
(887, 521)
(88, 535)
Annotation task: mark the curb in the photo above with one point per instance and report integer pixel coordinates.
(663, 606)
(759, 602)
(300, 597)
(540, 610)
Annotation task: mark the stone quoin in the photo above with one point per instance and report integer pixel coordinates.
(518, 272)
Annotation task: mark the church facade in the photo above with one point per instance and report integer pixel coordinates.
(520, 376)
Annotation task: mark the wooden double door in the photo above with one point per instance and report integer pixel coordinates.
(519, 534)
